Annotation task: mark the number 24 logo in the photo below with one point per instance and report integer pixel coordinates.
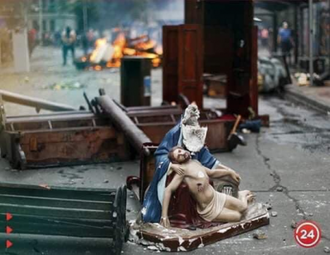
(306, 234)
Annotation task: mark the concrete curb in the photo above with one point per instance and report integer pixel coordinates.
(293, 94)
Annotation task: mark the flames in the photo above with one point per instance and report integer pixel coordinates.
(106, 55)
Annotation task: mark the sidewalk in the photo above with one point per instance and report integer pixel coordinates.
(314, 97)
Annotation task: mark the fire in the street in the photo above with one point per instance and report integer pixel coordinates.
(106, 55)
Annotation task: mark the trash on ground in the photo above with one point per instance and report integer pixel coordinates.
(274, 214)
(259, 235)
(65, 85)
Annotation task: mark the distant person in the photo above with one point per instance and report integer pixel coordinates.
(68, 43)
(90, 38)
(264, 37)
(57, 38)
(32, 35)
(285, 40)
(85, 42)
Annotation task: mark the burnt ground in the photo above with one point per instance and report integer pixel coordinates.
(286, 165)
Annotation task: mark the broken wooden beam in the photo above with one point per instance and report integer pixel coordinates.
(34, 102)
(119, 118)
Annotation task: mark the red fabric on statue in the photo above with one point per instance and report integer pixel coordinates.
(182, 210)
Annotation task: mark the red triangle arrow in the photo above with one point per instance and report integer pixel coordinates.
(9, 244)
(8, 216)
(9, 230)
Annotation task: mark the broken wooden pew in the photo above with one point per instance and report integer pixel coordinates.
(55, 212)
(57, 139)
(156, 123)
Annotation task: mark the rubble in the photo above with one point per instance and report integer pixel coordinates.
(274, 214)
(279, 189)
(268, 206)
(66, 85)
(326, 249)
(259, 235)
(294, 224)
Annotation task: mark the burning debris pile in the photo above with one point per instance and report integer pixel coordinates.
(107, 55)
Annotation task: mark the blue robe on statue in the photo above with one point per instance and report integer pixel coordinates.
(153, 199)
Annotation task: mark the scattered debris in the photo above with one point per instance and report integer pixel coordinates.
(326, 249)
(246, 131)
(45, 186)
(294, 224)
(259, 235)
(268, 206)
(106, 181)
(274, 214)
(152, 247)
(279, 189)
(65, 85)
(252, 125)
(271, 73)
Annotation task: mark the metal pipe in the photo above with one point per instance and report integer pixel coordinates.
(119, 118)
(34, 102)
(311, 42)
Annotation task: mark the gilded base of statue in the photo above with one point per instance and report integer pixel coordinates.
(157, 237)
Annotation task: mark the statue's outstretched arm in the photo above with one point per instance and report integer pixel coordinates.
(220, 172)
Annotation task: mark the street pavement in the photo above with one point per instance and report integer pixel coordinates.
(286, 165)
(314, 97)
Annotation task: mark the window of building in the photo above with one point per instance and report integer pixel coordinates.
(35, 24)
(44, 25)
(52, 25)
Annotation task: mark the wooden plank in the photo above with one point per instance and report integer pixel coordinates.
(55, 148)
(59, 229)
(150, 108)
(155, 113)
(147, 168)
(55, 202)
(69, 135)
(20, 218)
(31, 224)
(54, 212)
(218, 50)
(58, 116)
(194, 12)
(170, 63)
(99, 195)
(217, 135)
(254, 71)
(191, 63)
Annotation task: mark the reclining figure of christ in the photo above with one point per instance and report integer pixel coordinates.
(212, 206)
